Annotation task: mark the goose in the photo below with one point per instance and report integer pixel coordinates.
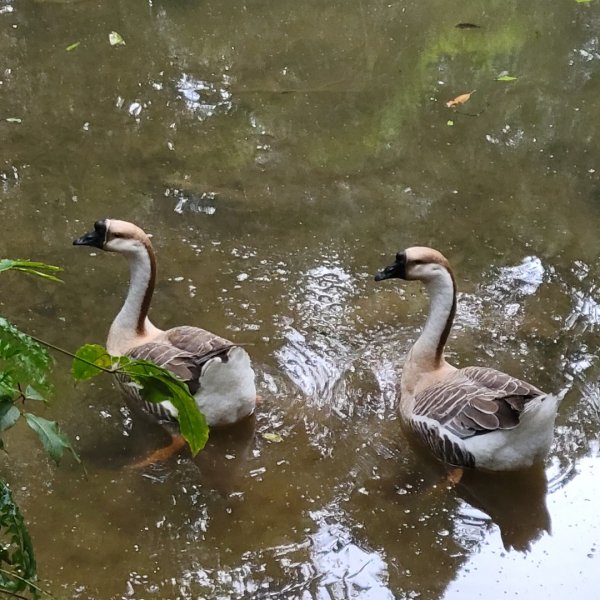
(474, 417)
(217, 372)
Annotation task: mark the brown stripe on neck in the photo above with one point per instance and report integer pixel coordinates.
(439, 351)
(141, 324)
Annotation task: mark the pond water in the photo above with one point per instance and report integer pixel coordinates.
(280, 153)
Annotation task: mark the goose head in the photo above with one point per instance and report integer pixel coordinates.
(113, 235)
(417, 263)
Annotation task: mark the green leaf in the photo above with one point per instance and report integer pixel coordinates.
(32, 394)
(505, 77)
(272, 437)
(159, 385)
(72, 47)
(115, 39)
(450, 123)
(53, 439)
(91, 360)
(13, 120)
(39, 269)
(9, 415)
(156, 385)
(17, 559)
(9, 389)
(583, 1)
(22, 361)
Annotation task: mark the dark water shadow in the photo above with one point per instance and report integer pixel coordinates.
(515, 501)
(223, 461)
(220, 463)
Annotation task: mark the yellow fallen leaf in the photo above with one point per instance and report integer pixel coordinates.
(459, 100)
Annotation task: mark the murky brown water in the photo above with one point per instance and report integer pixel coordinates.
(281, 152)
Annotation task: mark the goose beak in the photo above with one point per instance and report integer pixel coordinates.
(92, 238)
(386, 273)
(398, 269)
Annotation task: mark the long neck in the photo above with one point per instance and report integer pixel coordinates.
(132, 320)
(428, 350)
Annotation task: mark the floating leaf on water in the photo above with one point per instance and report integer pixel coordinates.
(72, 47)
(13, 120)
(115, 39)
(583, 1)
(450, 123)
(467, 26)
(459, 100)
(272, 437)
(504, 76)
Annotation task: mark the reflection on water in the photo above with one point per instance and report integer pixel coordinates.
(343, 569)
(278, 152)
(514, 502)
(203, 98)
(572, 546)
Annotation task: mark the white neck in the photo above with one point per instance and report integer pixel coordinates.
(428, 350)
(132, 322)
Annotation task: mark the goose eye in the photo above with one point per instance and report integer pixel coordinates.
(418, 262)
(100, 226)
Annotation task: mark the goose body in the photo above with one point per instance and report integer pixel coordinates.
(472, 417)
(217, 372)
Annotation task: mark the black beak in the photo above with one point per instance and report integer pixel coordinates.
(94, 238)
(90, 239)
(398, 269)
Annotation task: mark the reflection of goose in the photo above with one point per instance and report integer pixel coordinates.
(224, 461)
(515, 501)
(217, 372)
(472, 417)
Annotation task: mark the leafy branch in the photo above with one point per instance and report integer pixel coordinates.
(32, 268)
(152, 382)
(16, 548)
(155, 384)
(24, 364)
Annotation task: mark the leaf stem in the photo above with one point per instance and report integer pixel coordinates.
(67, 353)
(12, 594)
(27, 581)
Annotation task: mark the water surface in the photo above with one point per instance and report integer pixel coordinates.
(280, 154)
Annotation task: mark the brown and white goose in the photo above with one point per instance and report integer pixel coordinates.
(217, 372)
(471, 417)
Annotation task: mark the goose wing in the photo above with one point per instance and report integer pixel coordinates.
(182, 353)
(186, 364)
(196, 341)
(475, 401)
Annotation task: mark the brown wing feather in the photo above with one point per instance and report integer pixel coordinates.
(476, 400)
(184, 352)
(164, 355)
(501, 382)
(196, 341)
